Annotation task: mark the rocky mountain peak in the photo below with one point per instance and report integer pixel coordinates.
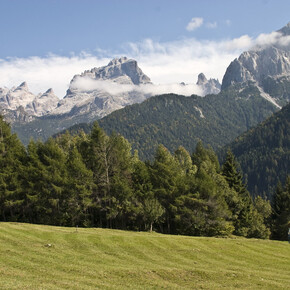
(285, 30)
(211, 86)
(23, 87)
(49, 92)
(201, 79)
(24, 103)
(117, 61)
(120, 70)
(257, 65)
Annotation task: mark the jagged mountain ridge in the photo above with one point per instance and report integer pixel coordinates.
(20, 99)
(267, 66)
(88, 96)
(211, 86)
(94, 94)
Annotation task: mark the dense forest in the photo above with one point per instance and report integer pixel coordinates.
(264, 153)
(93, 180)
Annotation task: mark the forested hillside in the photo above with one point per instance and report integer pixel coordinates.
(264, 153)
(94, 180)
(175, 120)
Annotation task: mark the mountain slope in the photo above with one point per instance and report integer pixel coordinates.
(175, 120)
(264, 153)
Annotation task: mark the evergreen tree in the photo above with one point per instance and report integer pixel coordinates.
(261, 213)
(281, 211)
(164, 175)
(12, 161)
(242, 210)
(47, 181)
(79, 190)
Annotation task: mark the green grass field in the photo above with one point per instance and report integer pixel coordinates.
(46, 257)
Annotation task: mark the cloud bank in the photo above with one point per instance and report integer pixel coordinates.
(85, 84)
(166, 63)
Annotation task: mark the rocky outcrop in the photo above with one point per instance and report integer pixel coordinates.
(211, 86)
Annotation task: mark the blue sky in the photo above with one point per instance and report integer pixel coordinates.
(46, 42)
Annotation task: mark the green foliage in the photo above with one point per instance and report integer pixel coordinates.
(243, 208)
(94, 180)
(174, 120)
(171, 120)
(12, 158)
(281, 211)
(264, 153)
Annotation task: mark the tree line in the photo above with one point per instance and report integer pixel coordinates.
(93, 180)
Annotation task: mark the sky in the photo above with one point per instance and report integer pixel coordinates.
(47, 42)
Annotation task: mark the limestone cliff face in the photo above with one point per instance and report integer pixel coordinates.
(268, 66)
(256, 65)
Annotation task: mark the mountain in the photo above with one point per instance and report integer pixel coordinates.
(100, 91)
(92, 95)
(19, 104)
(264, 153)
(266, 65)
(263, 72)
(174, 120)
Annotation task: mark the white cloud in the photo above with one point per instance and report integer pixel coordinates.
(42, 73)
(272, 38)
(85, 84)
(194, 23)
(166, 63)
(211, 25)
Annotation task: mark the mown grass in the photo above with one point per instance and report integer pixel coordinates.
(46, 257)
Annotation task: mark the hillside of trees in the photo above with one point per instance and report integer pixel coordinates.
(93, 180)
(264, 153)
(172, 120)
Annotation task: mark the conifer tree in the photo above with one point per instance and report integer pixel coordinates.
(164, 174)
(243, 209)
(12, 159)
(79, 190)
(281, 211)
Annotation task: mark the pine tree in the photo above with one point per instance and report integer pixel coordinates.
(164, 175)
(12, 161)
(47, 181)
(79, 190)
(243, 209)
(281, 211)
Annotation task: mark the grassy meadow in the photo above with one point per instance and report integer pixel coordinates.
(47, 257)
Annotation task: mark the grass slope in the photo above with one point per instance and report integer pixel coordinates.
(101, 258)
